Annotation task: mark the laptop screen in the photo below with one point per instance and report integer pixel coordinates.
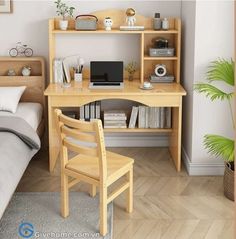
(106, 71)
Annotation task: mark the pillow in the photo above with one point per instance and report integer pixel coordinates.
(9, 98)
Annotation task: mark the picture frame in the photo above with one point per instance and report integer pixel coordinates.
(5, 6)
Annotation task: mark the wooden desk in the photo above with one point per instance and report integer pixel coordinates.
(163, 95)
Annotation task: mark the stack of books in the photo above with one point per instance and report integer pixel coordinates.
(150, 117)
(115, 119)
(90, 111)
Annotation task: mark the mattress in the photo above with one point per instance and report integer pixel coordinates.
(31, 112)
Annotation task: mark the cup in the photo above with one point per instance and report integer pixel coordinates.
(146, 84)
(78, 77)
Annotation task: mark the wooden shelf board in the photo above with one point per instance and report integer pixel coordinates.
(20, 58)
(171, 31)
(18, 77)
(114, 31)
(167, 58)
(137, 130)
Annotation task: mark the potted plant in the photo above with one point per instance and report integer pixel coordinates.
(131, 68)
(64, 11)
(221, 71)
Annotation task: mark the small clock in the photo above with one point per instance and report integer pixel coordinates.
(26, 71)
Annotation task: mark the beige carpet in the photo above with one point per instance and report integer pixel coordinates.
(37, 215)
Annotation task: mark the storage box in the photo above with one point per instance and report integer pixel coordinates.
(86, 23)
(161, 52)
(162, 79)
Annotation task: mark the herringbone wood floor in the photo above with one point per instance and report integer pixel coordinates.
(167, 204)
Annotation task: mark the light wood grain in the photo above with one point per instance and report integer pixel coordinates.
(163, 95)
(93, 165)
(35, 84)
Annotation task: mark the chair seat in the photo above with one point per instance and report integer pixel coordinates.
(89, 166)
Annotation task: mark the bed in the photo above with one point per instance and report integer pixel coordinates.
(20, 133)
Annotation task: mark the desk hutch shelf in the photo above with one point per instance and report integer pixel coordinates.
(163, 95)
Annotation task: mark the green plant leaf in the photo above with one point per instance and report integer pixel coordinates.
(212, 92)
(221, 70)
(220, 146)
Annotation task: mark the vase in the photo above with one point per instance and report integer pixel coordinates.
(131, 77)
(63, 24)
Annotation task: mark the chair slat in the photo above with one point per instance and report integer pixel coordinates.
(74, 133)
(80, 149)
(73, 123)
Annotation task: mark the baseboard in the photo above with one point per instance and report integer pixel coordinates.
(136, 141)
(202, 169)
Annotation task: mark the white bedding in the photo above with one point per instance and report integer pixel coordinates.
(31, 112)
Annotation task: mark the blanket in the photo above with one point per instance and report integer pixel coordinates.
(18, 144)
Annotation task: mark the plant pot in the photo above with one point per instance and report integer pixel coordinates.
(229, 181)
(131, 77)
(63, 24)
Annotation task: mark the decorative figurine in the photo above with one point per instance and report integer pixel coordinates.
(130, 19)
(108, 23)
(21, 50)
(26, 71)
(11, 72)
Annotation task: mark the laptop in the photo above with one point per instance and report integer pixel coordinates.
(106, 75)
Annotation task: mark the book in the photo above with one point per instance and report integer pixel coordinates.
(141, 117)
(115, 113)
(81, 113)
(98, 109)
(157, 117)
(147, 115)
(168, 117)
(114, 121)
(162, 117)
(58, 70)
(87, 112)
(69, 63)
(152, 118)
(108, 125)
(133, 117)
(92, 110)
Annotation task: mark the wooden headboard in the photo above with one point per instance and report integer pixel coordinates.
(35, 83)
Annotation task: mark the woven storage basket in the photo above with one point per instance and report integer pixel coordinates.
(229, 182)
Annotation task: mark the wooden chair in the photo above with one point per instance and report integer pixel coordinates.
(92, 164)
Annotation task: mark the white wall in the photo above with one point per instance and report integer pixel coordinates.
(29, 23)
(187, 70)
(213, 39)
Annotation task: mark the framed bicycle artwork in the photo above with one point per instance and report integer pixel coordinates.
(5, 6)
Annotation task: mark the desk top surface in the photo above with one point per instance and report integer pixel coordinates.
(130, 88)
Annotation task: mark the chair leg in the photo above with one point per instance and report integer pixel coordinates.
(92, 190)
(64, 196)
(103, 210)
(129, 193)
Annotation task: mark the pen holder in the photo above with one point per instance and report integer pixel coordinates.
(78, 77)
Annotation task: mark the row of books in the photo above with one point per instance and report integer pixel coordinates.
(150, 117)
(114, 119)
(91, 111)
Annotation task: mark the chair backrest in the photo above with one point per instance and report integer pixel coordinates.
(82, 137)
